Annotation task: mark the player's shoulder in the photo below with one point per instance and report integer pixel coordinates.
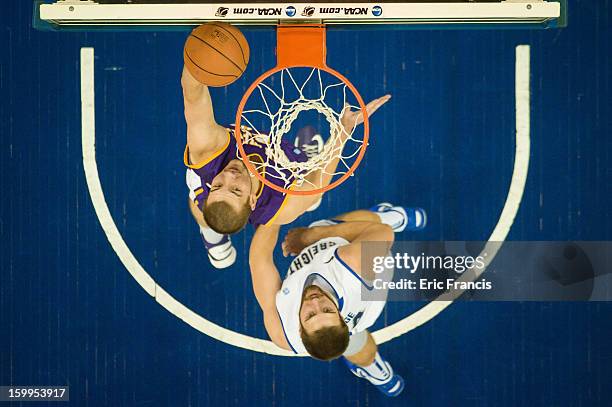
(199, 158)
(350, 258)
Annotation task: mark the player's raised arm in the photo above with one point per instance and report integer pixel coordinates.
(266, 280)
(349, 120)
(298, 204)
(204, 135)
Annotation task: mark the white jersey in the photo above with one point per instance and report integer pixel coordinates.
(321, 261)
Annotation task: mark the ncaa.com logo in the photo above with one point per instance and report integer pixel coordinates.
(290, 11)
(377, 11)
(221, 12)
(308, 11)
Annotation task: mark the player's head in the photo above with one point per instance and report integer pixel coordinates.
(230, 200)
(322, 329)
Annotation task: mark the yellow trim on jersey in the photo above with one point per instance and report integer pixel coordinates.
(209, 159)
(198, 191)
(280, 208)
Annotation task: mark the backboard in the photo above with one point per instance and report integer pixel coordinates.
(75, 14)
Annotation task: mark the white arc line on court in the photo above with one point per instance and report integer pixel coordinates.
(416, 319)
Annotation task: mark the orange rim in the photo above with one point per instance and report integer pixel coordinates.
(251, 167)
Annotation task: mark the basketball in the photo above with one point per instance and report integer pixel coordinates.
(216, 54)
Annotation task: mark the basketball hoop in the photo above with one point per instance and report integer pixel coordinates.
(301, 49)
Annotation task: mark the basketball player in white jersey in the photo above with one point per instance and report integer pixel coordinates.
(223, 195)
(318, 308)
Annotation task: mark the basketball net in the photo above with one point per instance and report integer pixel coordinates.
(299, 83)
(283, 110)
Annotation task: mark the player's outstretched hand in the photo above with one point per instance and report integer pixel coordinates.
(295, 241)
(353, 118)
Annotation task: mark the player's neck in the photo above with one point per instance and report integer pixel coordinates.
(255, 185)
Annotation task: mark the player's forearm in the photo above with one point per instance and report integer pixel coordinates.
(266, 281)
(347, 230)
(264, 275)
(197, 100)
(323, 176)
(192, 89)
(265, 286)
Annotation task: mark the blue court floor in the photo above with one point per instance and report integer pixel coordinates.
(70, 314)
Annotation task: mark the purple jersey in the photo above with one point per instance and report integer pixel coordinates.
(269, 201)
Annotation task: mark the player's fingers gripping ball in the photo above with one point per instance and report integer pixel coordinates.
(216, 54)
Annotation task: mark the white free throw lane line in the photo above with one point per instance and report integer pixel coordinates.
(88, 128)
(418, 318)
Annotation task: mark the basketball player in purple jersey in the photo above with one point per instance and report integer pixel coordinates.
(223, 195)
